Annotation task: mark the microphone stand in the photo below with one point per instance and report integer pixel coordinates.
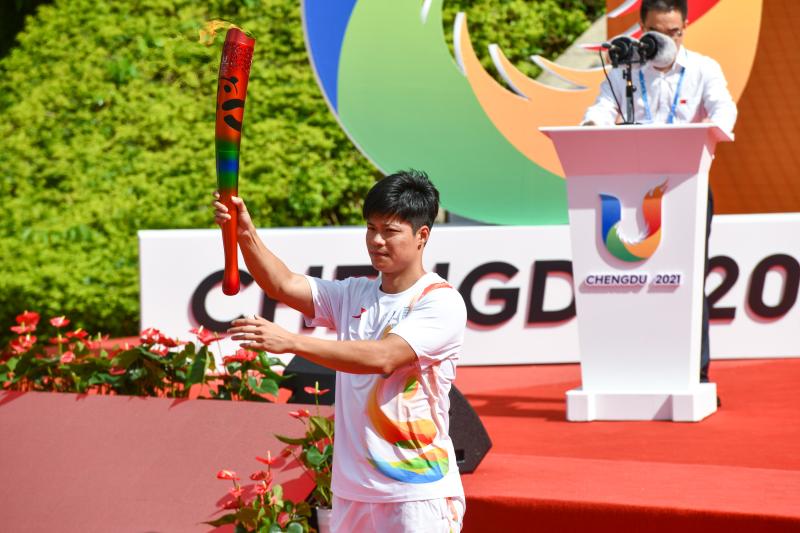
(627, 75)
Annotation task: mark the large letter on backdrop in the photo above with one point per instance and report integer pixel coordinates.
(234, 71)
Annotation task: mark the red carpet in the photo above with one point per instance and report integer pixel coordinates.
(737, 470)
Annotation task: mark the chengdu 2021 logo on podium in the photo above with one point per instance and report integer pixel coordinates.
(611, 216)
(389, 77)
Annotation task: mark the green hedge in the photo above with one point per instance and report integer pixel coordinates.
(107, 128)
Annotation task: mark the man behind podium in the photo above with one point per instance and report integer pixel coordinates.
(691, 89)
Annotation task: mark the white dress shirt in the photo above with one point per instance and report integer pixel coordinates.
(703, 94)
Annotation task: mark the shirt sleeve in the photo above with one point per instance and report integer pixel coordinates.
(717, 100)
(327, 297)
(435, 326)
(604, 111)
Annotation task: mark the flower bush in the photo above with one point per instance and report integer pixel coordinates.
(62, 360)
(262, 507)
(314, 450)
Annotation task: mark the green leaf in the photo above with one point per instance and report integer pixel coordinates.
(290, 440)
(294, 527)
(265, 386)
(222, 520)
(277, 493)
(23, 364)
(321, 426)
(126, 358)
(314, 456)
(248, 517)
(197, 373)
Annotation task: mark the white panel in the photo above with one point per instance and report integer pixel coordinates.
(173, 263)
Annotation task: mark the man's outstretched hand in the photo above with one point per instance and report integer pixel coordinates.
(261, 335)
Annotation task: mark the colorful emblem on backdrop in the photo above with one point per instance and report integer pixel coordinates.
(405, 101)
(611, 215)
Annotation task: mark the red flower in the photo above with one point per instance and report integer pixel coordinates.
(150, 336)
(23, 344)
(240, 356)
(95, 344)
(227, 474)
(124, 347)
(117, 371)
(262, 475)
(205, 336)
(24, 328)
(231, 504)
(315, 390)
(268, 460)
(261, 489)
(283, 518)
(246, 355)
(79, 333)
(59, 321)
(59, 340)
(160, 351)
(287, 452)
(169, 342)
(300, 413)
(67, 357)
(236, 492)
(28, 317)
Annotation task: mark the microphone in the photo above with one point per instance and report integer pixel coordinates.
(658, 48)
(621, 49)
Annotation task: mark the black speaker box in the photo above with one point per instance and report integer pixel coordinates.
(470, 440)
(303, 373)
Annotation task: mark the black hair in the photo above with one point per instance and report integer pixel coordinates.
(665, 6)
(408, 195)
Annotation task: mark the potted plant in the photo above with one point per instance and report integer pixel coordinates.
(314, 451)
(262, 507)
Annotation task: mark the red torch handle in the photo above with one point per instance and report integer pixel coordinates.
(230, 279)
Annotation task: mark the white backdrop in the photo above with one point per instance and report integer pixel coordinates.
(510, 276)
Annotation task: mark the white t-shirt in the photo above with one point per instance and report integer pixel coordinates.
(392, 440)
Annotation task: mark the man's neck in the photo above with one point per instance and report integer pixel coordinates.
(398, 282)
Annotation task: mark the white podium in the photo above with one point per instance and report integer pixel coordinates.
(637, 211)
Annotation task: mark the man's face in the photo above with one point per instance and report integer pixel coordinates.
(669, 23)
(392, 244)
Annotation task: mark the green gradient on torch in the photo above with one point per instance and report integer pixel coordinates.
(227, 170)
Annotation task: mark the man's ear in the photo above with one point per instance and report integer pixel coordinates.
(423, 234)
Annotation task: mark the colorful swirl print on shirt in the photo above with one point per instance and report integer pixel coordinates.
(411, 438)
(423, 462)
(612, 215)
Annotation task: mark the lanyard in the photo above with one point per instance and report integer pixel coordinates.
(646, 102)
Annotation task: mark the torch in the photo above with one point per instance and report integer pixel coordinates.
(234, 71)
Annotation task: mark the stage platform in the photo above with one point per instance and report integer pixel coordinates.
(738, 470)
(125, 464)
